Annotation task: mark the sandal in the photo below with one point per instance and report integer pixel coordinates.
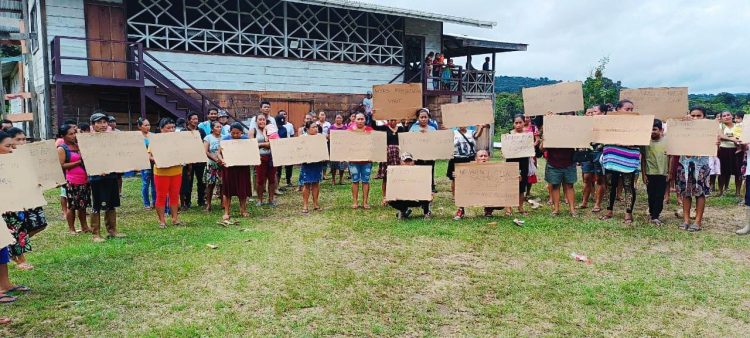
(628, 221)
(694, 228)
(245, 214)
(7, 299)
(683, 226)
(162, 226)
(583, 206)
(316, 208)
(19, 288)
(366, 207)
(555, 213)
(305, 211)
(355, 207)
(24, 266)
(605, 217)
(5, 321)
(596, 209)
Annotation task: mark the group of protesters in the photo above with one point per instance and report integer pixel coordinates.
(608, 170)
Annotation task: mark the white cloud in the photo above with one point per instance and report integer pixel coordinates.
(699, 44)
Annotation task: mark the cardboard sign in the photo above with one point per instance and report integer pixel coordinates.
(115, 152)
(49, 173)
(664, 103)
(358, 146)
(432, 145)
(624, 130)
(298, 150)
(409, 183)
(396, 101)
(557, 98)
(172, 149)
(487, 184)
(6, 238)
(518, 145)
(565, 131)
(468, 113)
(692, 138)
(745, 137)
(240, 152)
(18, 183)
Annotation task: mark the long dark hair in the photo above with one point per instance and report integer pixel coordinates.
(165, 121)
(63, 130)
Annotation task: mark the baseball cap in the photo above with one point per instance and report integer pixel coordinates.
(98, 116)
(111, 118)
(223, 113)
(407, 157)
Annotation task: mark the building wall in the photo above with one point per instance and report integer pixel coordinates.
(219, 72)
(66, 18)
(432, 31)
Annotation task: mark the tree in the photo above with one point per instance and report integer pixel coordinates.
(598, 89)
(507, 105)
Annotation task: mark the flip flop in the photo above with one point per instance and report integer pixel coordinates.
(596, 210)
(19, 288)
(5, 321)
(305, 211)
(7, 299)
(366, 207)
(694, 228)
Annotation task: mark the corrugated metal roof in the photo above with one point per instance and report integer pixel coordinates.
(13, 5)
(10, 9)
(366, 7)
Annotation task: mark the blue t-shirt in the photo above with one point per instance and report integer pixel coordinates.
(416, 128)
(229, 137)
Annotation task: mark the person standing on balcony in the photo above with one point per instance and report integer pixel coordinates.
(104, 190)
(447, 75)
(486, 64)
(193, 172)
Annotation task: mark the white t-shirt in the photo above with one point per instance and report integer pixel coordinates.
(325, 126)
(253, 125)
(464, 147)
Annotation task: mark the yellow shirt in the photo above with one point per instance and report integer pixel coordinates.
(168, 171)
(737, 130)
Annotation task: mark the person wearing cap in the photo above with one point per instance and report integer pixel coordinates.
(104, 190)
(112, 122)
(424, 125)
(404, 207)
(224, 120)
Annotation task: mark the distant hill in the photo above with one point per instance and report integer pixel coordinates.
(513, 84)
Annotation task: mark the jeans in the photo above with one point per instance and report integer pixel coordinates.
(147, 183)
(655, 188)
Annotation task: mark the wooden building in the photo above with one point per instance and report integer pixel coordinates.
(159, 58)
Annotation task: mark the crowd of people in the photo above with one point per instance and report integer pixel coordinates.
(608, 170)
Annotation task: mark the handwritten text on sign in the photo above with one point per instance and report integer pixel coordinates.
(434, 145)
(625, 130)
(356, 146)
(557, 98)
(468, 113)
(409, 183)
(487, 184)
(517, 145)
(18, 184)
(240, 152)
(115, 152)
(664, 103)
(48, 171)
(298, 150)
(692, 138)
(173, 149)
(396, 101)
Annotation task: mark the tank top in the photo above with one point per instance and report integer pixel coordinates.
(262, 138)
(78, 174)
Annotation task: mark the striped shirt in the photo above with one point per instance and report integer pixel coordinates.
(621, 159)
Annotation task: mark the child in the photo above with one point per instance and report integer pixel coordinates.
(311, 174)
(655, 171)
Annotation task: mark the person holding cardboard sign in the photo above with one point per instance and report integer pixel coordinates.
(404, 207)
(236, 180)
(168, 182)
(391, 129)
(693, 181)
(77, 188)
(212, 175)
(360, 170)
(464, 151)
(730, 155)
(523, 163)
(311, 173)
(265, 173)
(105, 191)
(423, 126)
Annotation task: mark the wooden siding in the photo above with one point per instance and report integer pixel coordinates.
(431, 30)
(219, 72)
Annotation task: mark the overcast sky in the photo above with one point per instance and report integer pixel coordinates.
(703, 45)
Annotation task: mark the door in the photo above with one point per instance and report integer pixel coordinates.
(105, 23)
(295, 110)
(413, 57)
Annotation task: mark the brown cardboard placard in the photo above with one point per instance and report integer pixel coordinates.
(409, 183)
(565, 131)
(396, 101)
(745, 137)
(487, 184)
(298, 150)
(557, 98)
(431, 145)
(48, 171)
(692, 137)
(19, 184)
(663, 103)
(178, 148)
(358, 146)
(625, 130)
(113, 152)
(241, 152)
(517, 145)
(468, 113)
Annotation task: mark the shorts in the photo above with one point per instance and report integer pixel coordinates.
(452, 165)
(360, 172)
(4, 256)
(63, 192)
(557, 176)
(105, 191)
(592, 168)
(340, 166)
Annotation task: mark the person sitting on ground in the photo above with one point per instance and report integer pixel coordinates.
(404, 207)
(311, 174)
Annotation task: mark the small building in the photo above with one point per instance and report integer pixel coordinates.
(159, 58)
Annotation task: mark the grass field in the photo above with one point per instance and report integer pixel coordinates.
(363, 273)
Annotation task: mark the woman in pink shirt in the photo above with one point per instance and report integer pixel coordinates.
(77, 189)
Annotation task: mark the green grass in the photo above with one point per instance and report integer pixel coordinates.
(362, 273)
